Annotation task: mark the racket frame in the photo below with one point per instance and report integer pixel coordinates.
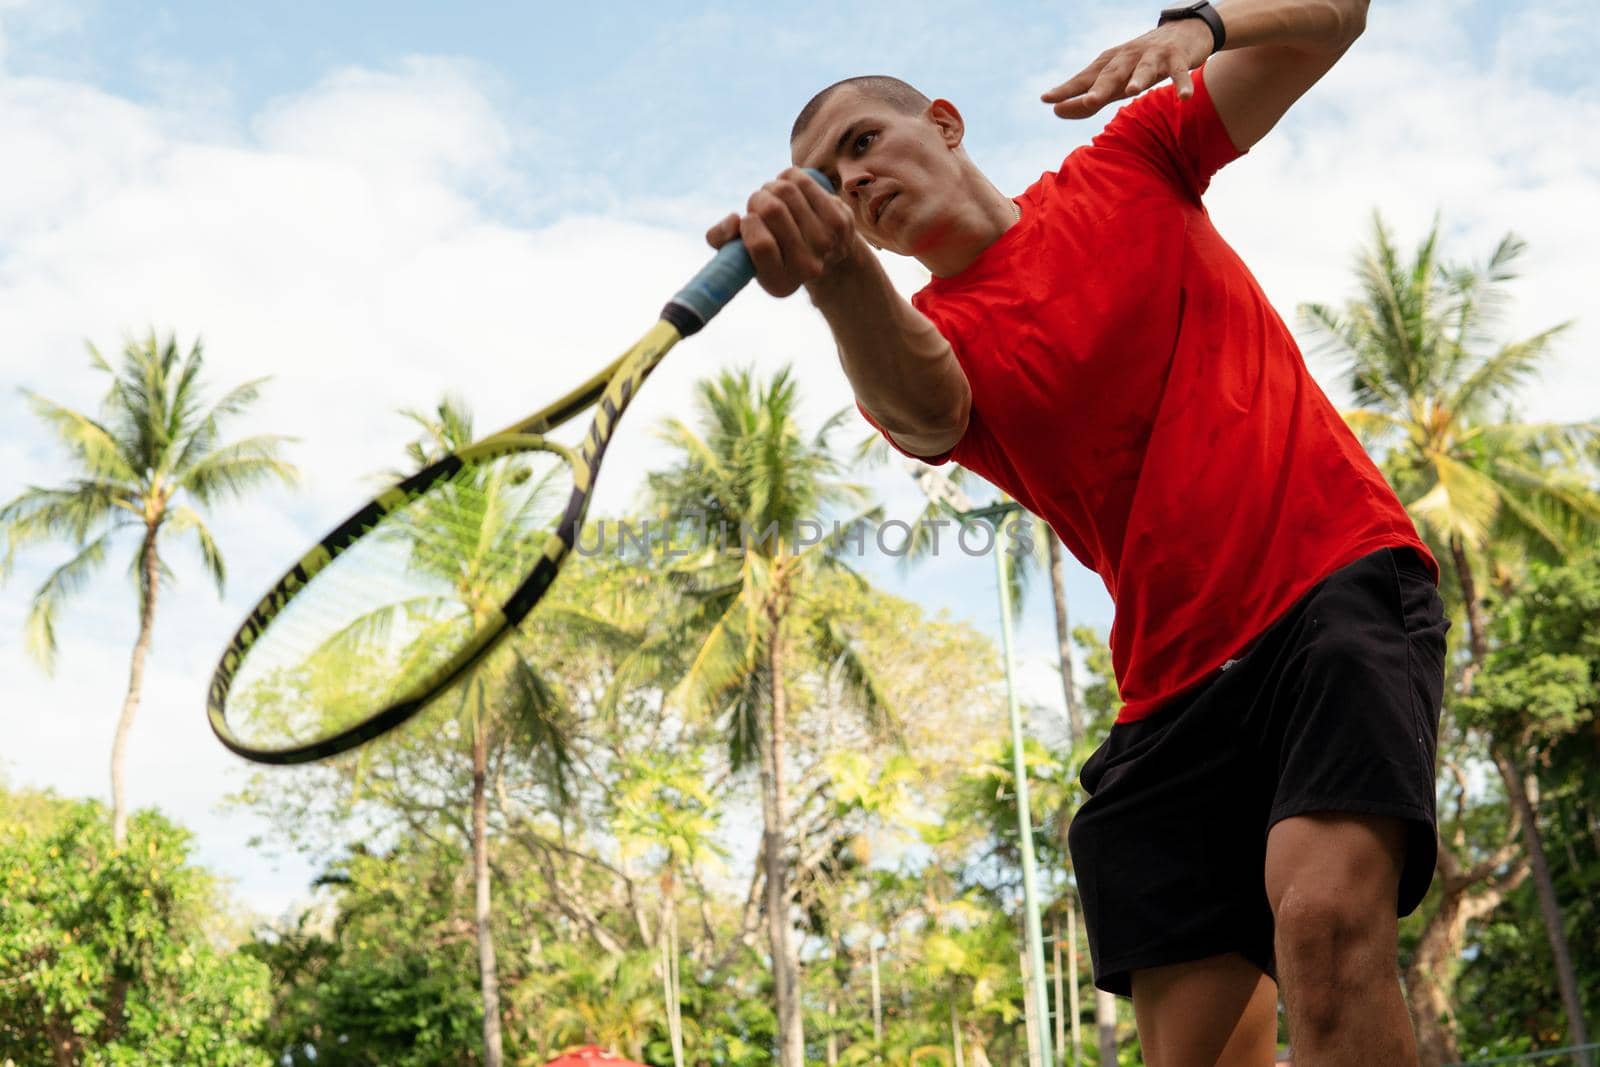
(609, 392)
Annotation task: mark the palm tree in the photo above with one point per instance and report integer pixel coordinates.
(461, 537)
(748, 474)
(149, 464)
(664, 804)
(1432, 388)
(608, 1001)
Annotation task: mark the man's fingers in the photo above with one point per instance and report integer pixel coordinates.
(779, 251)
(1108, 85)
(772, 204)
(815, 234)
(826, 221)
(1153, 66)
(763, 249)
(723, 232)
(793, 230)
(1184, 82)
(1077, 83)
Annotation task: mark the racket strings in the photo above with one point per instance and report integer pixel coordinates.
(401, 601)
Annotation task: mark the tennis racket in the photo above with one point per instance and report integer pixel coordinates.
(411, 591)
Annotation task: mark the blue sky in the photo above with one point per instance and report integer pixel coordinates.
(375, 203)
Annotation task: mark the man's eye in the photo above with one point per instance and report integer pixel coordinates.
(865, 139)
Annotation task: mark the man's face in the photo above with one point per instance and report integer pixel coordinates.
(898, 173)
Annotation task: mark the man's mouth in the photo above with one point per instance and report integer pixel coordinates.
(881, 207)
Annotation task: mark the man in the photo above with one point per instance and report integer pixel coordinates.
(1263, 809)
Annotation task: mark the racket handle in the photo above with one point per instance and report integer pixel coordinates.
(718, 281)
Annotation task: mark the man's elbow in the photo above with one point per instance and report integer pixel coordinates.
(935, 432)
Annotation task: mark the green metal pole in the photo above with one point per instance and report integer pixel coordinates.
(1030, 895)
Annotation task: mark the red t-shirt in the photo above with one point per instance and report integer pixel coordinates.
(1132, 386)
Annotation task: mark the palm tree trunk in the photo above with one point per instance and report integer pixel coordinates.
(975, 1045)
(1061, 993)
(832, 1051)
(785, 968)
(1477, 626)
(150, 574)
(669, 968)
(877, 999)
(1072, 980)
(840, 976)
(1058, 590)
(488, 978)
(1549, 907)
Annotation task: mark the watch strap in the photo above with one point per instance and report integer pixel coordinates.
(1202, 10)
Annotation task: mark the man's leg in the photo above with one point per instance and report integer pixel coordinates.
(1217, 1012)
(1332, 881)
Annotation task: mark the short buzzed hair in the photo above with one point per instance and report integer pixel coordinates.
(899, 95)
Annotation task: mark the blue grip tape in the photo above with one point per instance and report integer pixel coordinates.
(719, 280)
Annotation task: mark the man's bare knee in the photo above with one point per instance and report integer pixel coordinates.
(1330, 950)
(1332, 883)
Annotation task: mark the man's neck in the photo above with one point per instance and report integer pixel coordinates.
(992, 214)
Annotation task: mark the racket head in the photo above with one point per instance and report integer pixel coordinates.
(391, 607)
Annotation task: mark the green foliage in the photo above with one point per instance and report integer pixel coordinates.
(109, 953)
(391, 981)
(1540, 689)
(1542, 679)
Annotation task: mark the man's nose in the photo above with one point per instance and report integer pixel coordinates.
(855, 184)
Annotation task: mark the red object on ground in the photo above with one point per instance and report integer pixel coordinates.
(591, 1056)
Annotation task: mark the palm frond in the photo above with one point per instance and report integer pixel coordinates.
(536, 714)
(833, 544)
(721, 660)
(62, 584)
(39, 514)
(1374, 428)
(860, 681)
(741, 720)
(1498, 378)
(184, 519)
(1463, 502)
(92, 443)
(233, 470)
(199, 434)
(819, 440)
(1338, 335)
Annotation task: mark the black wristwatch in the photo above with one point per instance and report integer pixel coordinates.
(1198, 9)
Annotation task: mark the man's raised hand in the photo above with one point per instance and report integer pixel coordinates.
(793, 229)
(1169, 51)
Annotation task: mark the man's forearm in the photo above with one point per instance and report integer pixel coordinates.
(1316, 25)
(902, 369)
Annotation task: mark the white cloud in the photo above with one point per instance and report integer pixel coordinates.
(430, 119)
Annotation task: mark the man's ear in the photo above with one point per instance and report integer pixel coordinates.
(943, 114)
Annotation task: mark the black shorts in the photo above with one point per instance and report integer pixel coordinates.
(1334, 707)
